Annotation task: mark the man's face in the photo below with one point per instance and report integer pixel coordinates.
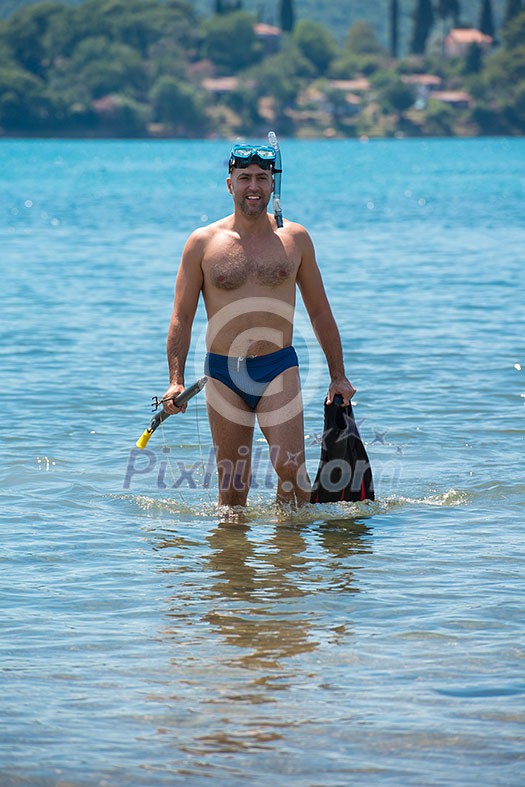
(251, 188)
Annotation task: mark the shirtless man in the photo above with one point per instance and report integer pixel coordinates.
(247, 270)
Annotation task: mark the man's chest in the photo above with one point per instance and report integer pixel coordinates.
(232, 265)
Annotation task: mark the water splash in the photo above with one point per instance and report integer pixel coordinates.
(262, 510)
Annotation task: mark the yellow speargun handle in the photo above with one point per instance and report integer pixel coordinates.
(179, 400)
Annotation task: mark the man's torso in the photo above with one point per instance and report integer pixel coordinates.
(249, 289)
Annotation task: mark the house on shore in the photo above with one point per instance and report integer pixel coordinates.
(459, 41)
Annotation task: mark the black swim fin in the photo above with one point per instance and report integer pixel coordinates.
(344, 471)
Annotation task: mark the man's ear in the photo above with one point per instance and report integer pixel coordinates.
(229, 185)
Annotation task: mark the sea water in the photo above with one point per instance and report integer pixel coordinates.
(147, 639)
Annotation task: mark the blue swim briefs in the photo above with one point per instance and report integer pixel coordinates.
(249, 377)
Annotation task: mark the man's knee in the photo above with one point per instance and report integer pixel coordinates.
(291, 470)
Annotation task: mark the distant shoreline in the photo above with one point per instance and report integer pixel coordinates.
(166, 137)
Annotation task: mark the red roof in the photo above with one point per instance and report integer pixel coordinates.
(452, 96)
(266, 30)
(468, 35)
(350, 85)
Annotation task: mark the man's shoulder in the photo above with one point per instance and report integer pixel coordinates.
(208, 231)
(294, 227)
(296, 231)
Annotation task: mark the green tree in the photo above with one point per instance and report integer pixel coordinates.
(361, 39)
(394, 28)
(230, 42)
(393, 94)
(222, 7)
(287, 15)
(473, 60)
(362, 53)
(486, 21)
(24, 103)
(243, 101)
(422, 25)
(179, 105)
(280, 77)
(136, 23)
(514, 33)
(26, 32)
(439, 119)
(178, 42)
(338, 106)
(316, 43)
(122, 116)
(503, 73)
(104, 67)
(447, 9)
(488, 120)
(7, 57)
(519, 105)
(512, 9)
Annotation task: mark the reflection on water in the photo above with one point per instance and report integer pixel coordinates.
(248, 605)
(256, 578)
(260, 576)
(260, 588)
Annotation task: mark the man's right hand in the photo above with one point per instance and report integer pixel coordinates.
(167, 400)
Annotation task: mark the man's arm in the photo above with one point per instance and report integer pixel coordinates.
(312, 289)
(187, 290)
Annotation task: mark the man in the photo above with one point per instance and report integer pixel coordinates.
(247, 270)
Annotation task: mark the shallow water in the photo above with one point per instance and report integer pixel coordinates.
(150, 639)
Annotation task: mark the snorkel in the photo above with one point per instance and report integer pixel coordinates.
(277, 172)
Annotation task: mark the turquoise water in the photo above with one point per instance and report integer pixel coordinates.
(148, 642)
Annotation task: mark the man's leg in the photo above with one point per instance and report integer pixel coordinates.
(280, 416)
(231, 423)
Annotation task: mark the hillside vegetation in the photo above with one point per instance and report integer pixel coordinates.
(337, 15)
(151, 68)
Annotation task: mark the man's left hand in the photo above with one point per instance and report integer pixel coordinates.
(343, 387)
